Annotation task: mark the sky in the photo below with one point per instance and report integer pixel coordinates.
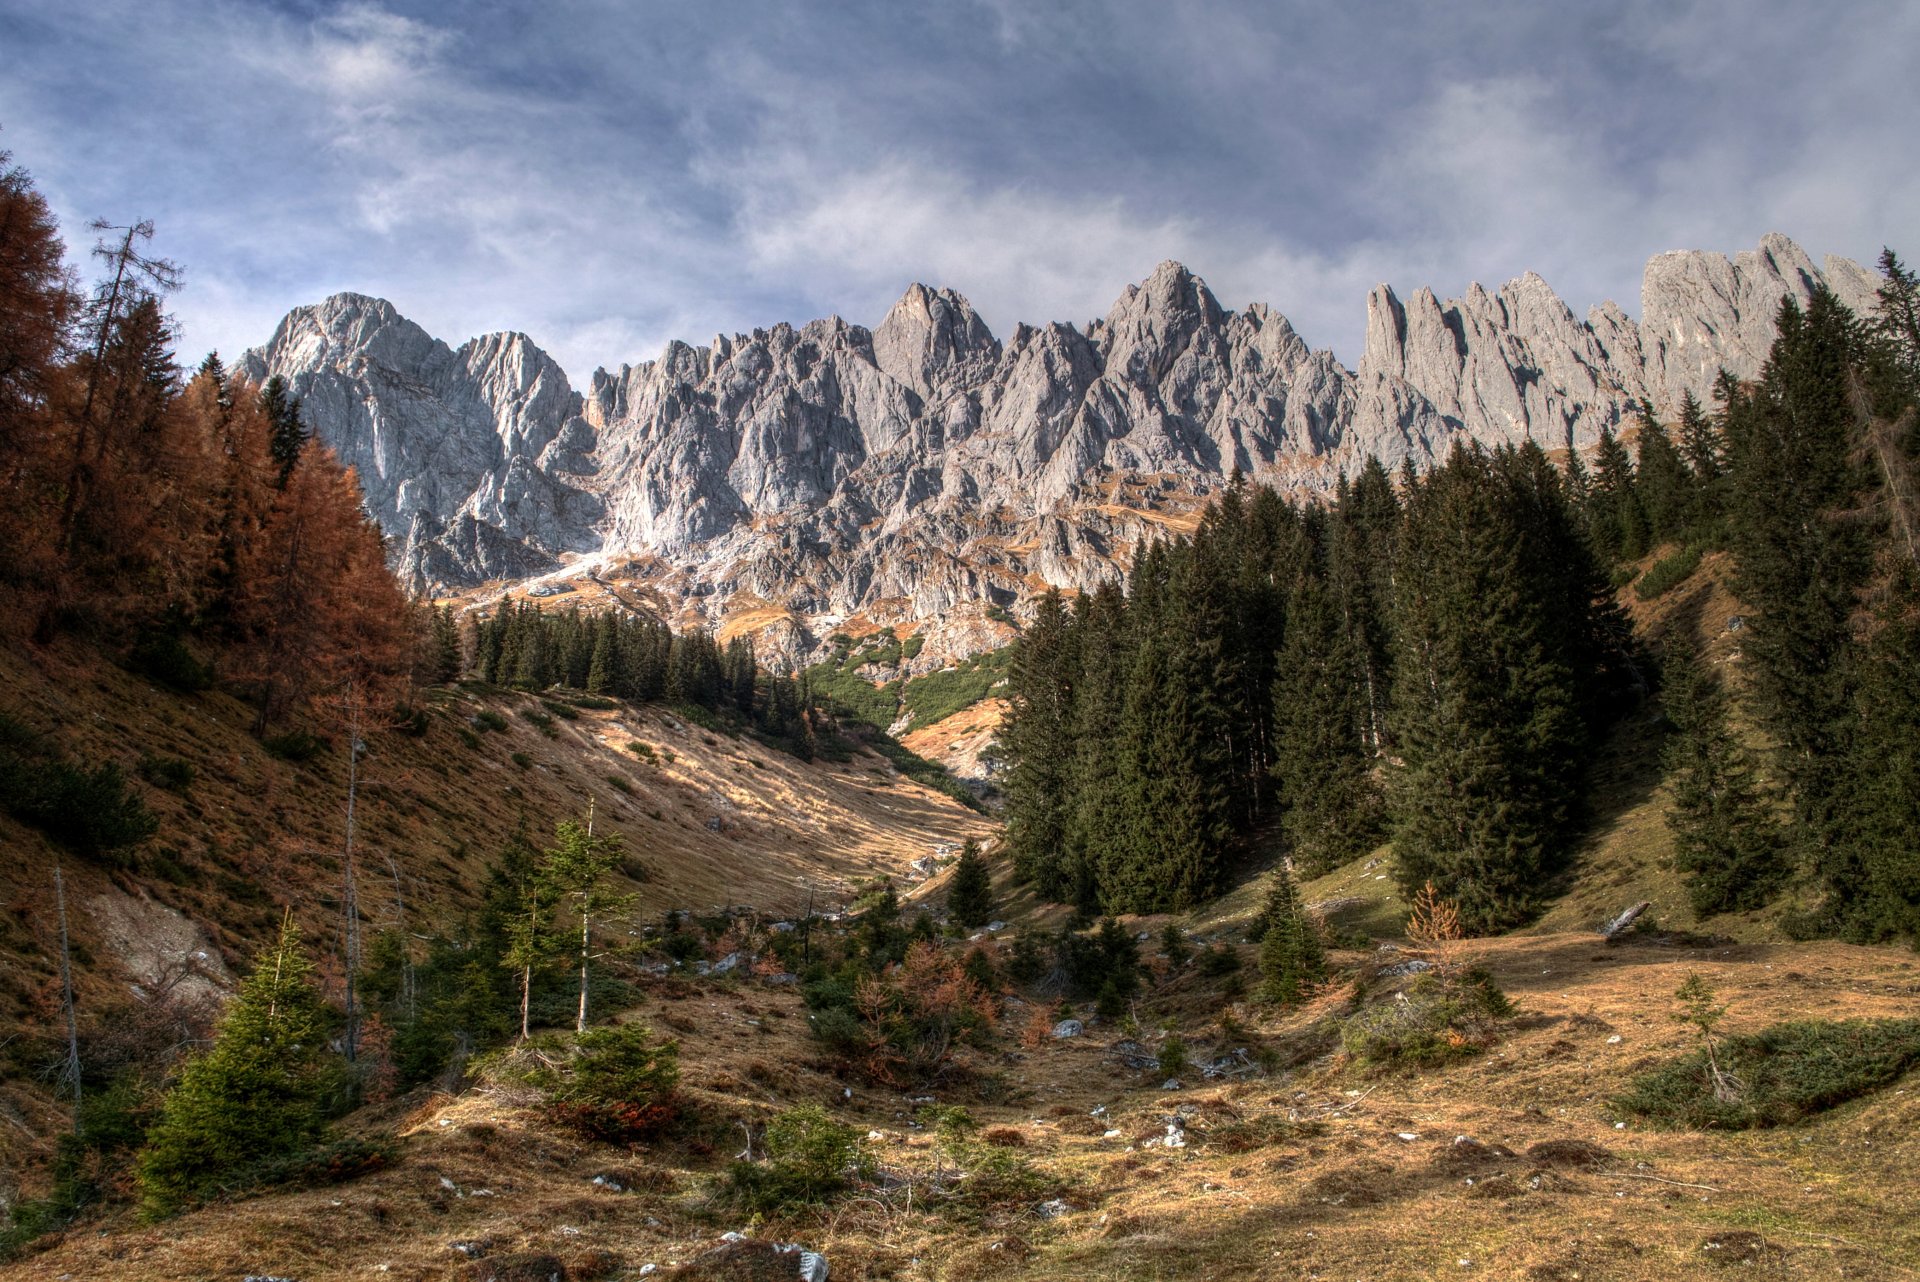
(606, 175)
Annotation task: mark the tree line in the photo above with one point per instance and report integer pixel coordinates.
(1431, 659)
(1431, 662)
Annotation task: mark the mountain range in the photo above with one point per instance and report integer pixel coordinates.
(929, 473)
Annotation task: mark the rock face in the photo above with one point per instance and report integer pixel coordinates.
(923, 469)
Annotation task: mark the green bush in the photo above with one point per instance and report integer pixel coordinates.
(809, 1158)
(1432, 1021)
(541, 721)
(522, 760)
(619, 1084)
(1668, 573)
(644, 751)
(296, 746)
(488, 719)
(938, 695)
(171, 773)
(1218, 960)
(91, 812)
(161, 656)
(565, 712)
(1779, 1075)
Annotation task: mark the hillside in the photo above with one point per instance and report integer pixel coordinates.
(710, 820)
(1324, 1170)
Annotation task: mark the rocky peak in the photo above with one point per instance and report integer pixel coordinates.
(924, 466)
(933, 342)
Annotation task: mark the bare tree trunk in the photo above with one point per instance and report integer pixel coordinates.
(351, 907)
(585, 922)
(66, 987)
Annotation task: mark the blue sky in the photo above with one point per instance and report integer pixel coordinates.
(606, 176)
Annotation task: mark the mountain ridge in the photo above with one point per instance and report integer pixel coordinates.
(925, 469)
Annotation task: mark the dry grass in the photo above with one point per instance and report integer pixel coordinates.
(1312, 1174)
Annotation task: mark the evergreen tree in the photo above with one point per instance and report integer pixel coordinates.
(1794, 472)
(579, 869)
(1700, 444)
(1662, 481)
(1724, 838)
(970, 898)
(1615, 517)
(289, 433)
(1488, 700)
(261, 1091)
(1036, 737)
(1292, 958)
(1322, 757)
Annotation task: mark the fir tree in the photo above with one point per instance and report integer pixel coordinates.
(261, 1091)
(1037, 740)
(970, 898)
(1725, 841)
(1662, 481)
(289, 432)
(1322, 755)
(1292, 958)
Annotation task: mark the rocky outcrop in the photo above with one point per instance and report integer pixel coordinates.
(470, 459)
(923, 466)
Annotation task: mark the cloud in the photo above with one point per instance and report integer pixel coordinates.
(606, 176)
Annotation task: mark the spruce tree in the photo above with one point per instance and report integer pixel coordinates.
(1037, 738)
(970, 898)
(1725, 841)
(1488, 712)
(1322, 756)
(289, 432)
(1292, 958)
(1615, 516)
(1662, 481)
(261, 1091)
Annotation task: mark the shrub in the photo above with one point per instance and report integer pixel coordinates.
(1779, 1075)
(170, 773)
(1668, 573)
(1434, 1020)
(1174, 1059)
(566, 712)
(620, 785)
(488, 719)
(618, 1084)
(809, 1158)
(161, 656)
(644, 751)
(1219, 960)
(541, 721)
(296, 746)
(88, 811)
(522, 760)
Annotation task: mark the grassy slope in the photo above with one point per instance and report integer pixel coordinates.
(728, 821)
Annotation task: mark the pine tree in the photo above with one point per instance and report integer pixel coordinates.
(1725, 840)
(970, 899)
(1663, 482)
(261, 1091)
(289, 433)
(1322, 756)
(1488, 713)
(579, 868)
(1292, 958)
(1036, 737)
